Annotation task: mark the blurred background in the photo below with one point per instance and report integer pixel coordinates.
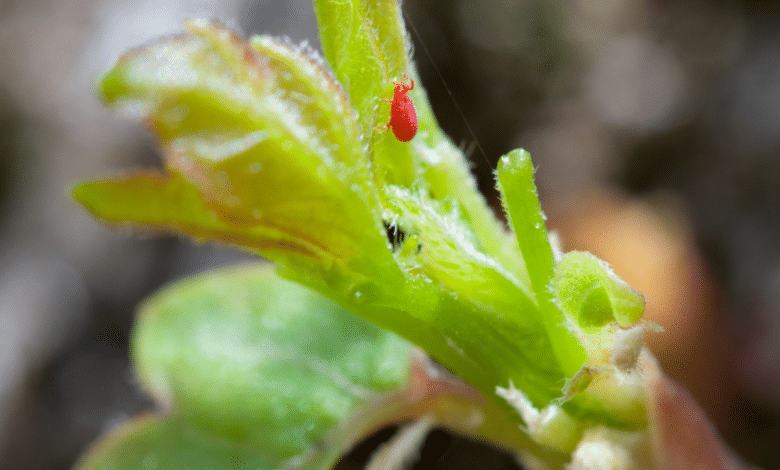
(655, 126)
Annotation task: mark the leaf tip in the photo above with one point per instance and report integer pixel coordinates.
(80, 192)
(515, 160)
(112, 85)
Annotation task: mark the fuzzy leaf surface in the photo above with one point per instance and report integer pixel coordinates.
(366, 45)
(255, 372)
(267, 142)
(262, 151)
(521, 202)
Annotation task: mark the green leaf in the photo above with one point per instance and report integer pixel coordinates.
(173, 444)
(259, 373)
(305, 207)
(521, 203)
(367, 47)
(264, 150)
(441, 245)
(449, 177)
(257, 369)
(486, 315)
(592, 295)
(595, 308)
(579, 298)
(246, 355)
(153, 201)
(268, 140)
(598, 306)
(365, 44)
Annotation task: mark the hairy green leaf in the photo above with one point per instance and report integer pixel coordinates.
(266, 150)
(266, 137)
(253, 368)
(521, 203)
(242, 352)
(365, 43)
(308, 207)
(592, 295)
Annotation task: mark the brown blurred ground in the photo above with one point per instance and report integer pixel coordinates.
(655, 127)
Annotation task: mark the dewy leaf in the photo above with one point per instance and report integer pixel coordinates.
(448, 176)
(268, 141)
(366, 45)
(298, 201)
(264, 151)
(508, 341)
(256, 371)
(441, 245)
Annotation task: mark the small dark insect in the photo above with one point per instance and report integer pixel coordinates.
(395, 235)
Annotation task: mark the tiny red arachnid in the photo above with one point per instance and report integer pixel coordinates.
(403, 116)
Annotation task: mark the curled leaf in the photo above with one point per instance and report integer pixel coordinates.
(592, 295)
(263, 142)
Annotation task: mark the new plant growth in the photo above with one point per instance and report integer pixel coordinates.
(383, 249)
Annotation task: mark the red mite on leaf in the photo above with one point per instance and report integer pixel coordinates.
(403, 116)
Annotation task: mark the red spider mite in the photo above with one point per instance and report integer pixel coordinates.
(403, 116)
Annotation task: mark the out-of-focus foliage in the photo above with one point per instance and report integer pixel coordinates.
(252, 371)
